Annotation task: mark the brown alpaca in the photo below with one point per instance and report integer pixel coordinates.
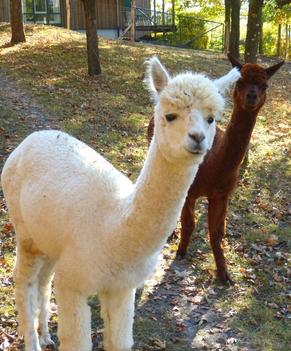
(218, 174)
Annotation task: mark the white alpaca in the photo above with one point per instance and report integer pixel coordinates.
(77, 216)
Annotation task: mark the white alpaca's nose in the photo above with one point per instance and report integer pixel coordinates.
(197, 137)
(196, 143)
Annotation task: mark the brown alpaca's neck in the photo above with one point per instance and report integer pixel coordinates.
(237, 137)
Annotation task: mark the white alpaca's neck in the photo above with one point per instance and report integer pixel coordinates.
(157, 200)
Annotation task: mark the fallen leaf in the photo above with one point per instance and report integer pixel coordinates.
(272, 240)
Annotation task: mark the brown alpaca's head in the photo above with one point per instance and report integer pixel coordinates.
(250, 90)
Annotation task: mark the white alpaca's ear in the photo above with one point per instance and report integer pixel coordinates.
(157, 76)
(223, 83)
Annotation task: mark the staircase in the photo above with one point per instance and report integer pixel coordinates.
(147, 20)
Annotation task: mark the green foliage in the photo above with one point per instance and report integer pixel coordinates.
(270, 40)
(271, 12)
(191, 30)
(207, 9)
(192, 22)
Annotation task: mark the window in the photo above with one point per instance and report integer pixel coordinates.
(40, 6)
(42, 11)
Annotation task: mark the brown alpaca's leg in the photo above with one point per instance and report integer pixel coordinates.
(216, 222)
(187, 225)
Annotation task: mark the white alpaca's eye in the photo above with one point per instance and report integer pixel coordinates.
(210, 119)
(171, 117)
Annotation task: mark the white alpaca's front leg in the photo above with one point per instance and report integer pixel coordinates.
(117, 310)
(74, 325)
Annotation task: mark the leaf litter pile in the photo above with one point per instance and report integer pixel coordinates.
(43, 84)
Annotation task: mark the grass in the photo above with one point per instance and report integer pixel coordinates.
(260, 323)
(111, 113)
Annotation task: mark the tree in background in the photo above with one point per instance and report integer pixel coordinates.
(132, 20)
(94, 67)
(234, 34)
(282, 18)
(276, 16)
(279, 39)
(262, 30)
(67, 11)
(16, 22)
(227, 12)
(232, 27)
(253, 30)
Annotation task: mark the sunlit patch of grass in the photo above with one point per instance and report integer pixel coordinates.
(263, 233)
(159, 328)
(257, 322)
(7, 260)
(12, 129)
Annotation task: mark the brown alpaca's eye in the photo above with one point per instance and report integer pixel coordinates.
(171, 117)
(210, 119)
(239, 84)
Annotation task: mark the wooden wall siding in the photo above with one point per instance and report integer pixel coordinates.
(105, 14)
(138, 3)
(4, 11)
(77, 15)
(146, 4)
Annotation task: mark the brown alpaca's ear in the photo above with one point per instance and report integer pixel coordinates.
(234, 61)
(273, 69)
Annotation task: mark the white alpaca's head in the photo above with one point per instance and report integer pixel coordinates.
(187, 107)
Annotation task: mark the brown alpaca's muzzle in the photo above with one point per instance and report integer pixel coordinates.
(253, 98)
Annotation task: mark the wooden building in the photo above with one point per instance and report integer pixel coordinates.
(113, 16)
(4, 10)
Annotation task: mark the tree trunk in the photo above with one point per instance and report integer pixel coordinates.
(16, 22)
(279, 40)
(287, 42)
(68, 14)
(132, 20)
(91, 35)
(226, 25)
(253, 28)
(261, 49)
(234, 29)
(173, 12)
